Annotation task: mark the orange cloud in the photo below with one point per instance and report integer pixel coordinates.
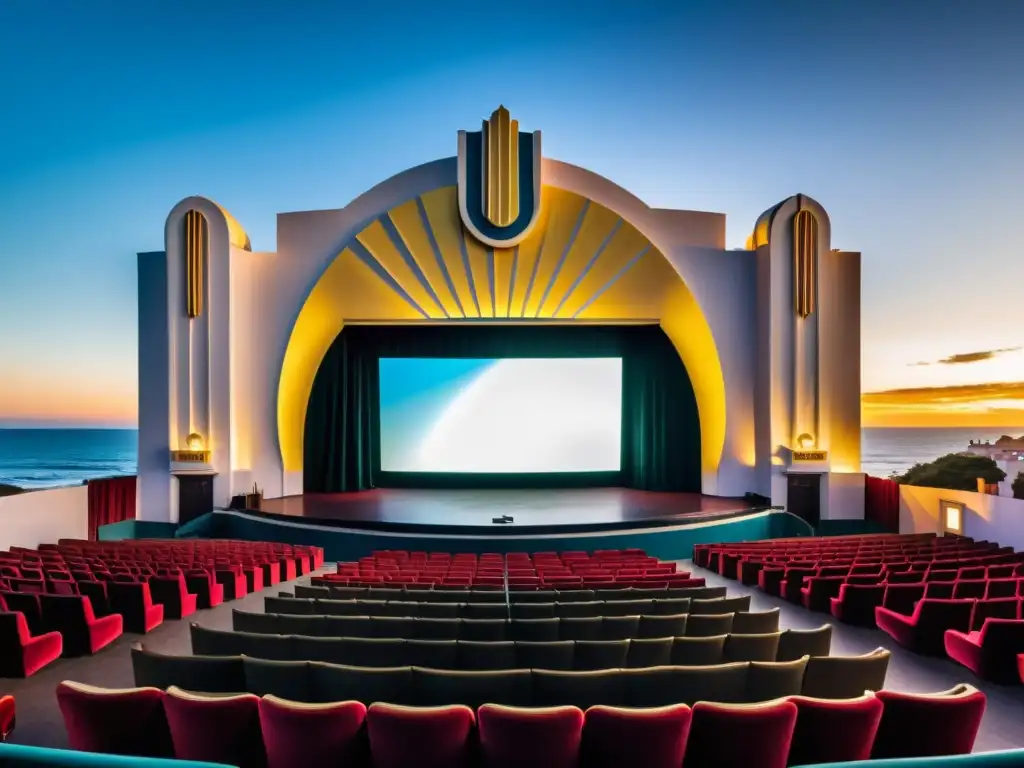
(997, 404)
(971, 357)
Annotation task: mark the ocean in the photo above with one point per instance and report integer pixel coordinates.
(46, 458)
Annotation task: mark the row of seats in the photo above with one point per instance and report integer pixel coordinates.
(512, 654)
(923, 629)
(61, 568)
(861, 549)
(411, 593)
(494, 610)
(313, 681)
(857, 604)
(494, 581)
(271, 732)
(69, 628)
(537, 630)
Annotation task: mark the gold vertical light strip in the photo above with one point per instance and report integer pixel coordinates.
(196, 245)
(501, 168)
(805, 262)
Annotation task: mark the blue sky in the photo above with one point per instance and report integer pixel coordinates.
(904, 119)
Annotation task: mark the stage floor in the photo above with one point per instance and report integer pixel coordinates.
(532, 511)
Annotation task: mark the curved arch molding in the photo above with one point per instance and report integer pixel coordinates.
(581, 262)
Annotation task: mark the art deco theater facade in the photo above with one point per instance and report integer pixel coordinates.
(230, 340)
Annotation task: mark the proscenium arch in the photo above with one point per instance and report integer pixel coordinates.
(582, 262)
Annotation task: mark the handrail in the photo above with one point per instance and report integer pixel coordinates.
(785, 511)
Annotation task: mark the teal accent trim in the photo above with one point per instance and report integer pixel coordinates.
(346, 544)
(20, 756)
(474, 182)
(1013, 758)
(136, 529)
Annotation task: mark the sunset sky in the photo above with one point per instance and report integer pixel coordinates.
(905, 120)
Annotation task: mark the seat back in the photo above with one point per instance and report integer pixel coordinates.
(845, 677)
(311, 734)
(795, 643)
(216, 729)
(928, 725)
(902, 598)
(430, 736)
(995, 608)
(654, 738)
(934, 617)
(120, 722)
(735, 735)
(834, 731)
(512, 737)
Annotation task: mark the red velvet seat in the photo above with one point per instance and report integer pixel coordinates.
(172, 593)
(740, 735)
(818, 592)
(791, 588)
(133, 602)
(120, 722)
(28, 605)
(856, 603)
(904, 577)
(99, 596)
(431, 737)
(990, 653)
(511, 737)
(215, 729)
(969, 588)
(83, 633)
(206, 589)
(312, 734)
(924, 630)
(995, 608)
(769, 579)
(928, 725)
(7, 717)
(614, 737)
(834, 730)
(1001, 588)
(234, 581)
(902, 598)
(22, 655)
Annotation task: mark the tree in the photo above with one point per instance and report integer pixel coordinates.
(956, 471)
(1018, 486)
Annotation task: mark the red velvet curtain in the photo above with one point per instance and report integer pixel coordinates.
(882, 502)
(111, 500)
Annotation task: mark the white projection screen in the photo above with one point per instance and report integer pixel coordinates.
(502, 416)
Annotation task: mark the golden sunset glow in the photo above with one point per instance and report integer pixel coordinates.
(997, 404)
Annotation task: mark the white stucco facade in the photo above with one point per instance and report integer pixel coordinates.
(219, 374)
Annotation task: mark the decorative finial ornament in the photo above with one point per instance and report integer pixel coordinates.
(499, 181)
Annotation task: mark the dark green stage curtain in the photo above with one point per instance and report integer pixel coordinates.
(660, 425)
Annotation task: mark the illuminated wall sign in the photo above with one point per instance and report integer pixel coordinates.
(810, 455)
(190, 457)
